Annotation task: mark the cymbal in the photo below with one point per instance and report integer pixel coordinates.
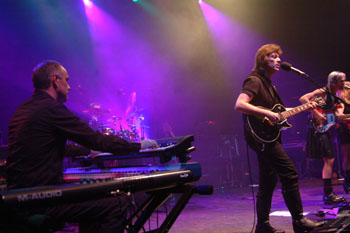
(96, 110)
(104, 126)
(113, 119)
(138, 126)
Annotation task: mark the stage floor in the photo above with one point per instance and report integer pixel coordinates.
(231, 210)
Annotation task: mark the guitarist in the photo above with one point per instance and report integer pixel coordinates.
(319, 144)
(273, 160)
(344, 134)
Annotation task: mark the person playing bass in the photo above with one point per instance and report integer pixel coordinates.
(321, 131)
(344, 135)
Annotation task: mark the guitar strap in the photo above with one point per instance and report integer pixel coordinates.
(331, 102)
(277, 95)
(274, 95)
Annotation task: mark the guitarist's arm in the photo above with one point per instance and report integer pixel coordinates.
(243, 105)
(340, 114)
(308, 97)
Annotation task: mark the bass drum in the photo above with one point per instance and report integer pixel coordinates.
(127, 135)
(124, 134)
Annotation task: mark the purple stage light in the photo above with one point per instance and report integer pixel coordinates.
(87, 3)
(117, 51)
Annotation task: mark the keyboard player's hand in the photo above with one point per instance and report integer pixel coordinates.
(148, 143)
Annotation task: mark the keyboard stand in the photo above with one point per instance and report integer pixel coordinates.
(158, 198)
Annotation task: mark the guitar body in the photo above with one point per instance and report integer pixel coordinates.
(263, 130)
(331, 119)
(324, 126)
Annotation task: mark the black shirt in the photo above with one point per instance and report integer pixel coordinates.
(260, 88)
(263, 94)
(38, 132)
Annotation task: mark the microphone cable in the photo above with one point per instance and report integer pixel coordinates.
(252, 187)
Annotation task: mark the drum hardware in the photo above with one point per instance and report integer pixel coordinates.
(103, 126)
(103, 121)
(108, 131)
(93, 122)
(142, 126)
(114, 120)
(127, 135)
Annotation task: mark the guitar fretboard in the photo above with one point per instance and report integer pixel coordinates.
(295, 110)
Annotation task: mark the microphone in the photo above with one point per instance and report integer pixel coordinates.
(288, 67)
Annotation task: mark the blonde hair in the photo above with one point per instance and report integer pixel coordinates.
(333, 78)
(345, 92)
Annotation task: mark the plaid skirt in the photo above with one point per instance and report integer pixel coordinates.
(319, 145)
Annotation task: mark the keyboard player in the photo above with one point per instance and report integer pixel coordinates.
(38, 132)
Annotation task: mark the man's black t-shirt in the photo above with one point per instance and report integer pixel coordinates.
(263, 94)
(260, 88)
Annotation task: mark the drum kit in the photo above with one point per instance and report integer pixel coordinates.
(130, 128)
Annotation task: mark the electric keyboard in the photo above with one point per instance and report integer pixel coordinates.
(78, 192)
(90, 175)
(169, 148)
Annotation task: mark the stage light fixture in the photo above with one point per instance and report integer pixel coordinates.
(87, 3)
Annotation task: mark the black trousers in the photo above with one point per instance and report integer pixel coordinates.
(109, 214)
(274, 163)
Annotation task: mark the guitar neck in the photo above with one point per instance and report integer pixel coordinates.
(295, 110)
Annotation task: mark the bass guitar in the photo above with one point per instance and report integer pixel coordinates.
(266, 131)
(331, 119)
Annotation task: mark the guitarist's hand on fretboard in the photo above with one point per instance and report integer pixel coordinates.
(319, 117)
(273, 117)
(313, 104)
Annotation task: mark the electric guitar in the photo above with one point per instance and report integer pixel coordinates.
(331, 119)
(266, 131)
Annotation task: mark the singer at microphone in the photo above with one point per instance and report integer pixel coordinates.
(258, 91)
(288, 67)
